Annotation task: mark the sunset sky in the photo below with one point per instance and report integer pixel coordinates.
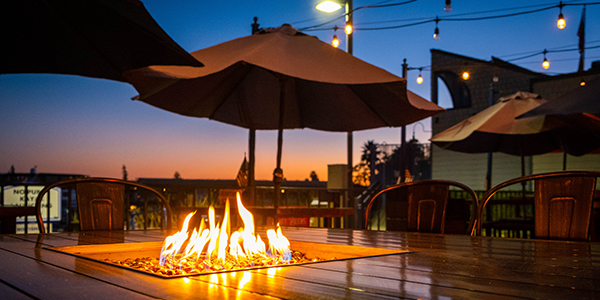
(78, 125)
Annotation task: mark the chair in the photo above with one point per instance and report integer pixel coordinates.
(562, 203)
(101, 202)
(9, 214)
(421, 206)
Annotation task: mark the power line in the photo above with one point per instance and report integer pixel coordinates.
(436, 19)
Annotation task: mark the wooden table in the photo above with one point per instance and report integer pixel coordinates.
(439, 266)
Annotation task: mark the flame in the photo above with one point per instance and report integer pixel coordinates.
(215, 249)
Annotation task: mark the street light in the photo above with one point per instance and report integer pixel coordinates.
(329, 7)
(332, 6)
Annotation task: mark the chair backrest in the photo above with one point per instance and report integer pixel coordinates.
(562, 203)
(421, 205)
(101, 202)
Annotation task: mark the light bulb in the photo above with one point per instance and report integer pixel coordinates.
(436, 34)
(335, 43)
(561, 23)
(582, 83)
(328, 6)
(546, 63)
(448, 7)
(348, 29)
(465, 75)
(420, 79)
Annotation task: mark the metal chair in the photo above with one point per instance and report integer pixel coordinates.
(562, 203)
(102, 202)
(421, 206)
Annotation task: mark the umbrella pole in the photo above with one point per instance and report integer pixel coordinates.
(251, 166)
(278, 172)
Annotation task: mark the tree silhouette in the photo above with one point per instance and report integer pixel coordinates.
(177, 176)
(124, 173)
(369, 158)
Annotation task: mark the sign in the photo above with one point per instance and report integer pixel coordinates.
(15, 196)
(32, 227)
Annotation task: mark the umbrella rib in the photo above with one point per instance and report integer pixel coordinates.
(243, 107)
(351, 86)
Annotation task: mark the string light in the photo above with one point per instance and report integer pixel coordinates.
(420, 78)
(561, 23)
(545, 63)
(436, 32)
(335, 42)
(448, 7)
(348, 28)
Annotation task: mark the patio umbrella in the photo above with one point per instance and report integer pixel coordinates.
(585, 99)
(94, 38)
(282, 79)
(495, 129)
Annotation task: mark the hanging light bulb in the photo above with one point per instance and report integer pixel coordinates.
(448, 6)
(466, 75)
(561, 23)
(545, 63)
(582, 82)
(348, 28)
(335, 43)
(436, 32)
(495, 78)
(419, 79)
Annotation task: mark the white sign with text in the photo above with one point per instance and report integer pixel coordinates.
(15, 196)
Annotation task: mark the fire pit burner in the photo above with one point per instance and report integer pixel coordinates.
(143, 257)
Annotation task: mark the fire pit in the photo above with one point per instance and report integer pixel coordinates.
(213, 250)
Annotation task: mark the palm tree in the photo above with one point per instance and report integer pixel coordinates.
(368, 160)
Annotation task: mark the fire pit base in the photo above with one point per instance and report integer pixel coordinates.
(106, 253)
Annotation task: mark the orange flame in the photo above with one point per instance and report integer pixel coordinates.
(215, 249)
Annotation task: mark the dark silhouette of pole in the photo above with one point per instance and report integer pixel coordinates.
(255, 25)
(403, 135)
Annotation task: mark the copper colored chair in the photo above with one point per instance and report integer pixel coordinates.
(562, 203)
(101, 202)
(421, 206)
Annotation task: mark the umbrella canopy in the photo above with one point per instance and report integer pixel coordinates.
(585, 99)
(94, 38)
(495, 129)
(282, 79)
(247, 81)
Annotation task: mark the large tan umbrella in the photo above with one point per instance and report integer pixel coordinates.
(94, 38)
(495, 129)
(585, 99)
(282, 79)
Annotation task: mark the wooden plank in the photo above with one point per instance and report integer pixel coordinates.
(269, 282)
(52, 284)
(9, 292)
(64, 272)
